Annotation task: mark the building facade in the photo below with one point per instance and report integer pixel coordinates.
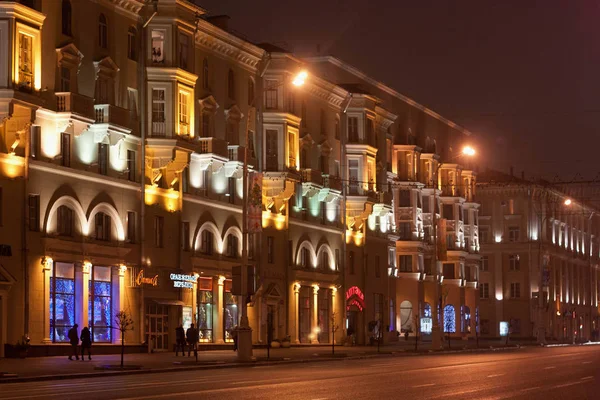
(537, 239)
(123, 129)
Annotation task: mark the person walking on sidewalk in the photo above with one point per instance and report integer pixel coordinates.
(74, 340)
(192, 339)
(180, 340)
(86, 342)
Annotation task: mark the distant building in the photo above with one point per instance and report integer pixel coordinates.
(530, 232)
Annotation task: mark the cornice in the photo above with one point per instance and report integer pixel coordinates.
(274, 117)
(22, 13)
(171, 74)
(129, 8)
(228, 46)
(327, 91)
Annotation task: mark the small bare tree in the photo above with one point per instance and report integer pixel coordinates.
(334, 328)
(124, 323)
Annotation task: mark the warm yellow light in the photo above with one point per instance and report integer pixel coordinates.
(568, 202)
(468, 151)
(300, 79)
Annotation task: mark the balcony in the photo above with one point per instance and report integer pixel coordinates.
(75, 103)
(113, 115)
(312, 176)
(332, 182)
(211, 145)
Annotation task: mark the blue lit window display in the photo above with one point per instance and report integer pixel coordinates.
(100, 304)
(62, 301)
(427, 310)
(449, 319)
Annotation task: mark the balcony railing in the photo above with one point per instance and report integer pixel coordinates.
(313, 176)
(75, 103)
(159, 129)
(332, 182)
(212, 145)
(109, 114)
(236, 153)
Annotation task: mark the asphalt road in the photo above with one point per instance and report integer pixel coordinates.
(556, 373)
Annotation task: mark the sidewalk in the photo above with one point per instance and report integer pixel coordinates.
(62, 368)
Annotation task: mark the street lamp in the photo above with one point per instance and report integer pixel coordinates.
(244, 331)
(436, 338)
(568, 202)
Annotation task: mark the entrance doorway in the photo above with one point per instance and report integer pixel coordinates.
(157, 326)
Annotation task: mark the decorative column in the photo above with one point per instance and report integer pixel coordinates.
(118, 297)
(47, 267)
(218, 328)
(82, 295)
(296, 287)
(333, 315)
(315, 316)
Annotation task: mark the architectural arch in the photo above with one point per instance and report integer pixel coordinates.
(112, 213)
(406, 316)
(324, 248)
(73, 204)
(210, 226)
(311, 250)
(235, 231)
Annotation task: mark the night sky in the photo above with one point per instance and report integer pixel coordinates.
(524, 76)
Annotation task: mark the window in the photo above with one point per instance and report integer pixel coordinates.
(304, 257)
(131, 226)
(484, 291)
(353, 176)
(250, 92)
(66, 17)
(271, 93)
(404, 231)
(325, 260)
(404, 198)
(484, 263)
(485, 326)
(103, 158)
(131, 165)
(231, 85)
(64, 222)
(405, 263)
(102, 224)
(159, 223)
(448, 271)
(515, 290)
(132, 102)
(207, 242)
(34, 211)
(185, 236)
(65, 79)
(271, 150)
(513, 233)
(25, 61)
(426, 204)
(270, 250)
(448, 210)
(184, 50)
(514, 262)
(102, 94)
(102, 32)
(204, 316)
(449, 319)
(377, 267)
(158, 47)
(132, 43)
(158, 112)
(484, 235)
(184, 115)
(352, 129)
(35, 141)
(351, 262)
(232, 246)
(62, 301)
(205, 74)
(100, 304)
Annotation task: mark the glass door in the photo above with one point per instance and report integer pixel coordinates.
(157, 326)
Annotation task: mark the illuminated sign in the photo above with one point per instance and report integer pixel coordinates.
(183, 281)
(503, 328)
(355, 297)
(141, 279)
(426, 325)
(355, 291)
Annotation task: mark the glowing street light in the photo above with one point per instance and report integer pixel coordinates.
(568, 202)
(468, 151)
(300, 79)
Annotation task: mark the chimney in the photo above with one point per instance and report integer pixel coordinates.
(220, 21)
(511, 171)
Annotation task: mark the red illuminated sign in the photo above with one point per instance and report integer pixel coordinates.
(355, 297)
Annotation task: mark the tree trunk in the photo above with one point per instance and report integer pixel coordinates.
(122, 347)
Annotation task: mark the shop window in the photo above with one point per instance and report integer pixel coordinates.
(449, 319)
(466, 319)
(64, 221)
(230, 313)
(100, 304)
(204, 314)
(66, 15)
(62, 301)
(323, 307)
(102, 32)
(304, 314)
(102, 227)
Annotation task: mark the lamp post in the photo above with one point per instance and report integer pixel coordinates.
(436, 337)
(244, 331)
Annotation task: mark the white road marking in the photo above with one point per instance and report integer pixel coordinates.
(549, 367)
(424, 385)
(565, 385)
(585, 378)
(495, 375)
(586, 362)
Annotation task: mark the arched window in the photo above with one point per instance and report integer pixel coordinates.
(132, 43)
(66, 17)
(406, 316)
(231, 85)
(102, 32)
(304, 258)
(207, 242)
(205, 73)
(64, 221)
(325, 259)
(449, 319)
(232, 246)
(250, 92)
(102, 227)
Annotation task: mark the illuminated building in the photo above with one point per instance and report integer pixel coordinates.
(121, 172)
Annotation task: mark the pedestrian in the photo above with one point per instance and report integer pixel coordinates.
(192, 339)
(234, 335)
(86, 343)
(180, 340)
(74, 340)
